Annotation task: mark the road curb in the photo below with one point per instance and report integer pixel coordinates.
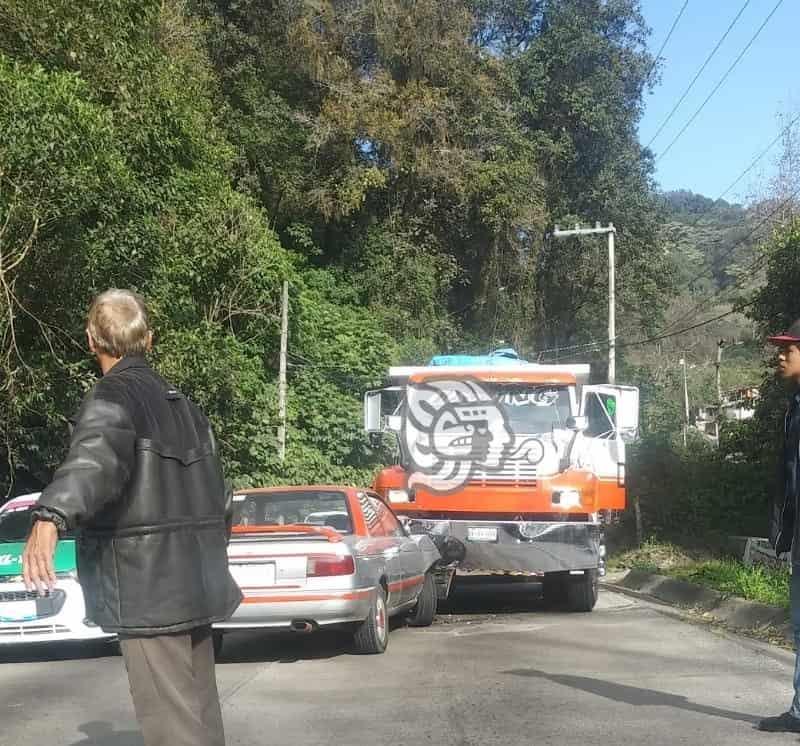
(735, 614)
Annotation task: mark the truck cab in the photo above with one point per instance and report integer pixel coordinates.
(509, 465)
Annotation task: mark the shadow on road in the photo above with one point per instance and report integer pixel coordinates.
(258, 646)
(487, 595)
(101, 733)
(46, 652)
(632, 695)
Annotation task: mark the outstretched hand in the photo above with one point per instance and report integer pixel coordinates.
(38, 571)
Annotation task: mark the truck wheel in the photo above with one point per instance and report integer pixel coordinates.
(425, 611)
(554, 588)
(216, 640)
(372, 635)
(582, 591)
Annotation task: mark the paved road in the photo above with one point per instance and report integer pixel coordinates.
(501, 669)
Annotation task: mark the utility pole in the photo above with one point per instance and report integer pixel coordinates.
(282, 373)
(610, 231)
(686, 400)
(720, 345)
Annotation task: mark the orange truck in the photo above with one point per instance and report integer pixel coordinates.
(509, 466)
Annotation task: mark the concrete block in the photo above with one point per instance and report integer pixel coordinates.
(748, 614)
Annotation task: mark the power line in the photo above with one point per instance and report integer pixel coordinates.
(728, 253)
(664, 332)
(666, 40)
(742, 240)
(745, 238)
(744, 173)
(754, 266)
(721, 81)
(760, 155)
(699, 73)
(658, 337)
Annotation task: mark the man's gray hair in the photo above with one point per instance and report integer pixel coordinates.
(119, 324)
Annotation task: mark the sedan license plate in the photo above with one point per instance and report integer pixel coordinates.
(254, 576)
(17, 611)
(482, 533)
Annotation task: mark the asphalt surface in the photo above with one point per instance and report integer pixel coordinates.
(500, 668)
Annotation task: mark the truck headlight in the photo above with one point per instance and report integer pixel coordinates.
(566, 498)
(400, 496)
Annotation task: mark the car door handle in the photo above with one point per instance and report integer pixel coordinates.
(390, 553)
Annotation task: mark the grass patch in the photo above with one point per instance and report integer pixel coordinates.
(758, 583)
(765, 585)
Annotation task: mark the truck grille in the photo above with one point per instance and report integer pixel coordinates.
(517, 471)
(512, 474)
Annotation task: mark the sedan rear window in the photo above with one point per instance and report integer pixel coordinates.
(312, 507)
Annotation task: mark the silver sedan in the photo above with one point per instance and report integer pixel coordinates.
(318, 556)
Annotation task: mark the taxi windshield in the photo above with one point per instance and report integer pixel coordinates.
(15, 525)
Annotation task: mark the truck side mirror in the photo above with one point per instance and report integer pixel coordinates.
(373, 422)
(579, 424)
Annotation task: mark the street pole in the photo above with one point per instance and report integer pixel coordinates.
(610, 231)
(720, 345)
(612, 313)
(686, 401)
(282, 373)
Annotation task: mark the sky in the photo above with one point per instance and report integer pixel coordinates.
(743, 116)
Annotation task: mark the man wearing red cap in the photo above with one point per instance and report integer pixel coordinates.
(784, 527)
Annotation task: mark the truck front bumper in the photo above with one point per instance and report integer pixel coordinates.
(517, 547)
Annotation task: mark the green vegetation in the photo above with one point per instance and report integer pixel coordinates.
(399, 163)
(758, 583)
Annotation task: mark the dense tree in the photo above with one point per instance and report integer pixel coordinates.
(115, 172)
(465, 129)
(400, 163)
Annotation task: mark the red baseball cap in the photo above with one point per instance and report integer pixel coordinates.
(789, 337)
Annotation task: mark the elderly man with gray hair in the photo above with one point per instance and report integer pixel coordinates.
(142, 482)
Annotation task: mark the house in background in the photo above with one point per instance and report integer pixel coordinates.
(736, 406)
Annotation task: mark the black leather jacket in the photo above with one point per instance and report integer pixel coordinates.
(143, 484)
(784, 526)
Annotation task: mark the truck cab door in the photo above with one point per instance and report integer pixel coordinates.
(611, 416)
(376, 405)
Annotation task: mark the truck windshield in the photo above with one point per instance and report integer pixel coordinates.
(528, 409)
(531, 410)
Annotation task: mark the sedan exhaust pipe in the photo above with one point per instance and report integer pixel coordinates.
(302, 626)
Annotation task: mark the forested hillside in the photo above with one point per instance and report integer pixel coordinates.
(399, 163)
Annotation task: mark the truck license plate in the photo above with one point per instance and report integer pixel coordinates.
(482, 533)
(17, 611)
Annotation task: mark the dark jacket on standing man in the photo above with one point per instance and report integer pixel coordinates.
(784, 526)
(143, 484)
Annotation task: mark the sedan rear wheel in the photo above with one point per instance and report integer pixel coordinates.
(372, 635)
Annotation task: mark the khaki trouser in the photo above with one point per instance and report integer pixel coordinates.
(174, 688)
